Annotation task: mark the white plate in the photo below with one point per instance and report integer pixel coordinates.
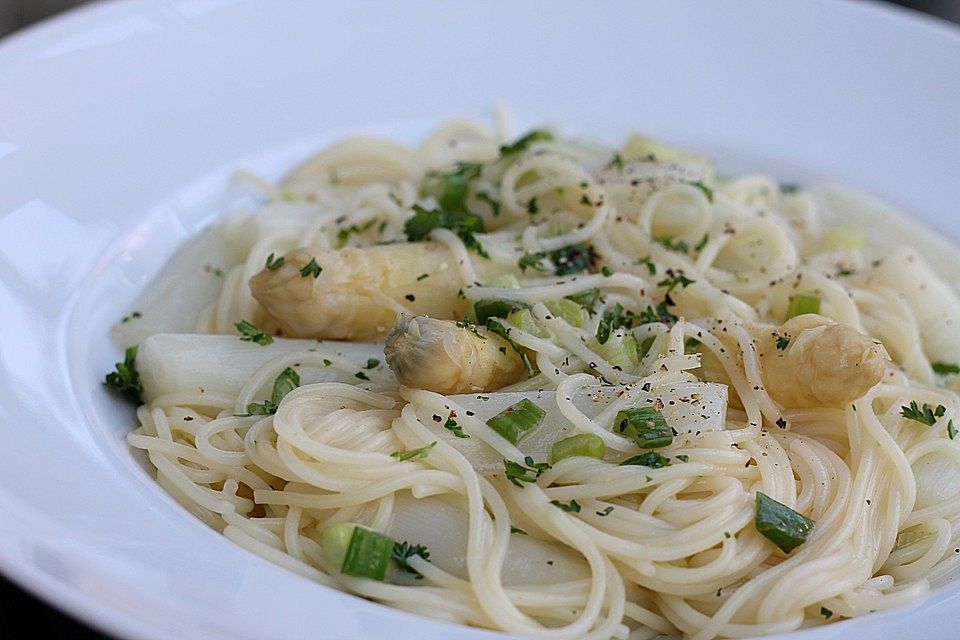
(119, 124)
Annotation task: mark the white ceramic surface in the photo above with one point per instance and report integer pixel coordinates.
(119, 124)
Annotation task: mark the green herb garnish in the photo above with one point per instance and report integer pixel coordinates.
(125, 381)
(403, 551)
(311, 269)
(924, 415)
(517, 473)
(945, 368)
(783, 342)
(287, 381)
(420, 453)
(250, 333)
(452, 426)
(521, 143)
(570, 507)
(650, 459)
(464, 224)
(274, 263)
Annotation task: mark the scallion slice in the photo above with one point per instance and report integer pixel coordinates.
(801, 304)
(517, 420)
(780, 524)
(583, 444)
(645, 425)
(573, 313)
(368, 554)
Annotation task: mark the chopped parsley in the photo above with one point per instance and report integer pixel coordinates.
(132, 316)
(371, 363)
(420, 453)
(311, 269)
(572, 258)
(497, 327)
(612, 320)
(517, 473)
(518, 530)
(651, 267)
(274, 263)
(361, 375)
(520, 144)
(783, 342)
(403, 551)
(675, 279)
(703, 242)
(924, 415)
(605, 512)
(125, 381)
(464, 224)
(251, 333)
(606, 271)
(660, 313)
(650, 459)
(345, 233)
(570, 507)
(707, 191)
(450, 189)
(946, 368)
(670, 244)
(423, 276)
(826, 613)
(452, 426)
(532, 207)
(287, 381)
(483, 196)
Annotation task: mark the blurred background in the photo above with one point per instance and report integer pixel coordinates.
(23, 617)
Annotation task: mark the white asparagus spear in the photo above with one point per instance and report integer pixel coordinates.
(359, 291)
(185, 362)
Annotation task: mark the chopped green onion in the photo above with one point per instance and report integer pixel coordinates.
(583, 444)
(368, 554)
(946, 368)
(523, 319)
(126, 379)
(516, 420)
(645, 425)
(486, 309)
(506, 281)
(335, 541)
(650, 459)
(780, 524)
(568, 311)
(586, 298)
(801, 304)
(621, 351)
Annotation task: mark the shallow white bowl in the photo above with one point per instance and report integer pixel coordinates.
(119, 124)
